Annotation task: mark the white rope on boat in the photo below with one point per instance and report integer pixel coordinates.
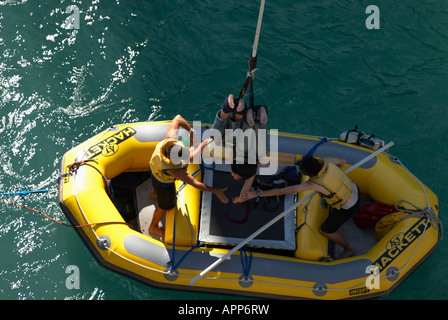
(426, 212)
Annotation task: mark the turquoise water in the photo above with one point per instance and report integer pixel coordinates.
(320, 71)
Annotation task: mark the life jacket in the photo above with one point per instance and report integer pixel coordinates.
(159, 163)
(336, 182)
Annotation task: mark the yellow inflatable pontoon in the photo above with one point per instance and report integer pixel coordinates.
(106, 186)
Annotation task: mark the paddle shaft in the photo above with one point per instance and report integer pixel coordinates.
(280, 216)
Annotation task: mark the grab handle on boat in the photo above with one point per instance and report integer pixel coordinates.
(280, 216)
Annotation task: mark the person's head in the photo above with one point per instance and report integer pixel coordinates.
(243, 170)
(310, 166)
(176, 153)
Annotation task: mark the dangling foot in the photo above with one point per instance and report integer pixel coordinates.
(347, 253)
(241, 106)
(157, 231)
(229, 104)
(250, 117)
(263, 115)
(240, 110)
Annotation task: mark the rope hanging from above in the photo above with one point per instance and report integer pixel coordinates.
(253, 56)
(257, 36)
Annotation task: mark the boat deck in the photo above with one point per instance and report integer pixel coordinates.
(227, 225)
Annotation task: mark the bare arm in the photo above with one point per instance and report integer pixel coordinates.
(187, 178)
(173, 131)
(246, 188)
(173, 128)
(305, 186)
(194, 153)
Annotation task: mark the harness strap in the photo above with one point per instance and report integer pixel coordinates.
(163, 184)
(175, 266)
(246, 260)
(314, 148)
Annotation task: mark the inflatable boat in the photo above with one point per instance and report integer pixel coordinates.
(106, 185)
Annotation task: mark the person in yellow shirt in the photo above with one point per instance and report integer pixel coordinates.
(169, 162)
(334, 186)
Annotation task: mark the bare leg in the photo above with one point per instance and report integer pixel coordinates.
(339, 239)
(159, 213)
